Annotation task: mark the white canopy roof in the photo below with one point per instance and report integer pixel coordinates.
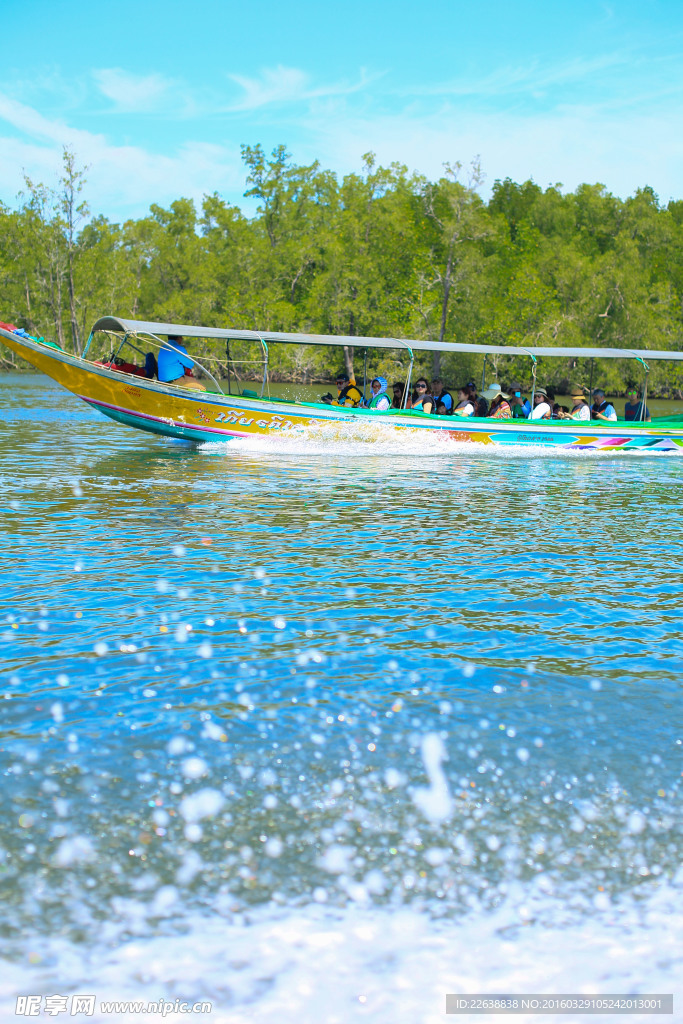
(114, 323)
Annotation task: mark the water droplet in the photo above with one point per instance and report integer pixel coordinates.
(194, 767)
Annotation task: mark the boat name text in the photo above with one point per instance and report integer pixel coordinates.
(237, 419)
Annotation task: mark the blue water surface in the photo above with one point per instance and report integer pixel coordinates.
(237, 669)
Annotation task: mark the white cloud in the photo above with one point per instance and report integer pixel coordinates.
(132, 93)
(527, 78)
(122, 181)
(33, 124)
(289, 85)
(276, 85)
(569, 144)
(621, 141)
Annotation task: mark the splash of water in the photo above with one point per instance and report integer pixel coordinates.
(369, 438)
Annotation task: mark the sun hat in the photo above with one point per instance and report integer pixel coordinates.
(540, 391)
(492, 391)
(576, 392)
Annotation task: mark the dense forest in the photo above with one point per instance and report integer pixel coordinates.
(380, 252)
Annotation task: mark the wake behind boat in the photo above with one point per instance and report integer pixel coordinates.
(123, 392)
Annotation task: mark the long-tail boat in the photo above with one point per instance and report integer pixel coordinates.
(121, 391)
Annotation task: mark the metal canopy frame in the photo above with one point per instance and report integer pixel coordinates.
(118, 324)
(127, 328)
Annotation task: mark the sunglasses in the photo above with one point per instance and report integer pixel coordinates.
(420, 387)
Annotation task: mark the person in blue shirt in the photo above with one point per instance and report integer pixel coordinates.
(602, 409)
(633, 408)
(172, 362)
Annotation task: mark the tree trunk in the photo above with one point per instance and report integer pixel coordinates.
(436, 365)
(72, 183)
(348, 361)
(75, 334)
(29, 319)
(348, 350)
(58, 312)
(447, 278)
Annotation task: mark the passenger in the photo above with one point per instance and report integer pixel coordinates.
(465, 406)
(542, 409)
(519, 403)
(481, 406)
(443, 400)
(348, 392)
(380, 399)
(421, 398)
(632, 409)
(601, 408)
(497, 401)
(151, 366)
(172, 362)
(399, 391)
(580, 408)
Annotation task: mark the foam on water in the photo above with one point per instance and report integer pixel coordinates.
(335, 966)
(370, 438)
(352, 439)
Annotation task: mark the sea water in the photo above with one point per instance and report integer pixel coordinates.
(326, 726)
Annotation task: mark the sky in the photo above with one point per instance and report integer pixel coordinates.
(156, 98)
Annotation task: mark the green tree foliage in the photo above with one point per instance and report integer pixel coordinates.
(378, 252)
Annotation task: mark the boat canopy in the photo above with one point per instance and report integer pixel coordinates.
(114, 323)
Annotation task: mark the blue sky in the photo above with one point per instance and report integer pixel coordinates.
(156, 97)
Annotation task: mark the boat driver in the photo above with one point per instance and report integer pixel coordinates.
(172, 362)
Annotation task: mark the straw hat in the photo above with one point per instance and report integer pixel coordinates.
(540, 391)
(576, 392)
(492, 391)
